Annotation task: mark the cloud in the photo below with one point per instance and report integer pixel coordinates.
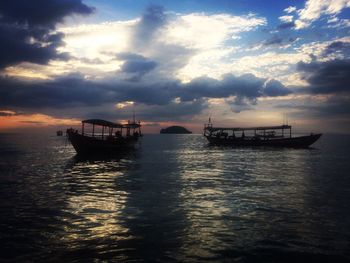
(286, 19)
(326, 77)
(287, 22)
(290, 9)
(27, 32)
(136, 65)
(165, 44)
(286, 25)
(73, 92)
(7, 113)
(173, 111)
(333, 106)
(151, 21)
(314, 9)
(93, 61)
(204, 31)
(209, 40)
(62, 92)
(269, 64)
(246, 85)
(15, 48)
(273, 88)
(339, 48)
(45, 13)
(184, 46)
(274, 40)
(239, 104)
(341, 23)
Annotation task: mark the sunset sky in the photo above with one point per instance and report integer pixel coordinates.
(242, 62)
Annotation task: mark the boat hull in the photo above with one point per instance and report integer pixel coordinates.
(91, 145)
(293, 142)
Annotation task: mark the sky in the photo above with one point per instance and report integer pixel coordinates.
(241, 62)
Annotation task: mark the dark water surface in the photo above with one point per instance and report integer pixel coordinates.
(174, 199)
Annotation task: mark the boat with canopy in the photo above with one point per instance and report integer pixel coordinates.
(101, 136)
(279, 136)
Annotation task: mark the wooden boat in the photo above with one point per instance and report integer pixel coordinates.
(113, 137)
(277, 136)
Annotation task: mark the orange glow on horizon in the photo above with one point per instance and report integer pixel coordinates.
(38, 120)
(33, 121)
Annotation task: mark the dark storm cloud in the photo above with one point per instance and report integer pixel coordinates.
(326, 77)
(286, 25)
(27, 29)
(62, 92)
(174, 111)
(338, 47)
(152, 19)
(136, 64)
(74, 90)
(275, 88)
(148, 93)
(15, 46)
(168, 96)
(40, 12)
(240, 104)
(246, 85)
(331, 78)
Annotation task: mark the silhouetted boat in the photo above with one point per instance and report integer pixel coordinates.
(59, 133)
(113, 137)
(279, 136)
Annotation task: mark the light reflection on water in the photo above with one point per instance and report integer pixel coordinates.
(175, 198)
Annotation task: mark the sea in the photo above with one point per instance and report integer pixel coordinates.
(174, 198)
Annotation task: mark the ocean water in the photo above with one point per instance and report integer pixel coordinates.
(174, 199)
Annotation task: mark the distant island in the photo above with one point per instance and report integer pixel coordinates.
(175, 130)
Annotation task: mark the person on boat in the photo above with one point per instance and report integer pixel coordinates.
(232, 137)
(118, 134)
(69, 130)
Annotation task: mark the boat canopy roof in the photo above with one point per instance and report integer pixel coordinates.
(250, 128)
(103, 123)
(132, 125)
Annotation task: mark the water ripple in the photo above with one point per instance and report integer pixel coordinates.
(174, 199)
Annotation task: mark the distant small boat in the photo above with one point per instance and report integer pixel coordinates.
(59, 133)
(277, 136)
(113, 137)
